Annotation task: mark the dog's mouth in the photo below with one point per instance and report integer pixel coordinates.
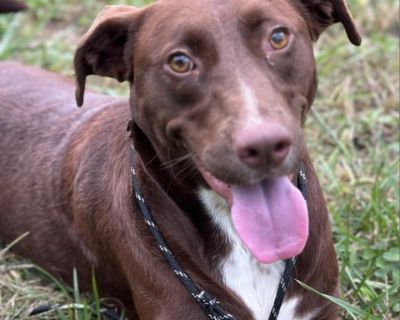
(269, 216)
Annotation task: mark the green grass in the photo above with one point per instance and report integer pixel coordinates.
(352, 133)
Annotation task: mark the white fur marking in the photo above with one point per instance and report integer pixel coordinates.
(255, 283)
(251, 108)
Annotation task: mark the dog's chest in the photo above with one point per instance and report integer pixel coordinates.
(256, 284)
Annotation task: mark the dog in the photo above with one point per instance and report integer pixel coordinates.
(218, 95)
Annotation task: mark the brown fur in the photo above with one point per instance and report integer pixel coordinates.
(65, 173)
(11, 6)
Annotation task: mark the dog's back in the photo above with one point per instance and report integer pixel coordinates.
(38, 121)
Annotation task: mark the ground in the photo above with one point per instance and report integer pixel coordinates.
(352, 132)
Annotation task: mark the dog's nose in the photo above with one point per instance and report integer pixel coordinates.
(260, 146)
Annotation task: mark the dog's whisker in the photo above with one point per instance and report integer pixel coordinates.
(148, 163)
(171, 163)
(186, 166)
(177, 179)
(184, 171)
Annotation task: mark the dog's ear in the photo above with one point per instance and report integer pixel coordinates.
(11, 6)
(106, 48)
(323, 13)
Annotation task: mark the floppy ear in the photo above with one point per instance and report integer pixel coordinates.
(106, 48)
(326, 12)
(11, 6)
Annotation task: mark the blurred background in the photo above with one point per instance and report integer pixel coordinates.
(352, 133)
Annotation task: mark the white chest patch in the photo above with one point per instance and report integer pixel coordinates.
(256, 284)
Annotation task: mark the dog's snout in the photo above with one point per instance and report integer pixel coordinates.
(262, 146)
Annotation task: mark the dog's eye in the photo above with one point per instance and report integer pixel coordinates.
(181, 63)
(279, 39)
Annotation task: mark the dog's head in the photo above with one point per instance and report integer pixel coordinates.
(226, 82)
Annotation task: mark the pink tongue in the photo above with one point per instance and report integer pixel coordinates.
(271, 218)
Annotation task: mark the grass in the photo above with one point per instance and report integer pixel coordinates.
(352, 134)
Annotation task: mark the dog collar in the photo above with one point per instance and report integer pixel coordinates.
(207, 302)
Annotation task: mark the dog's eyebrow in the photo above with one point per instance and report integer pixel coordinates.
(199, 40)
(252, 17)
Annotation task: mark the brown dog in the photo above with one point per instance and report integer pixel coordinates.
(219, 91)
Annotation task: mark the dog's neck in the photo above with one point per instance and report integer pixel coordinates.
(202, 240)
(171, 178)
(199, 243)
(182, 189)
(227, 257)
